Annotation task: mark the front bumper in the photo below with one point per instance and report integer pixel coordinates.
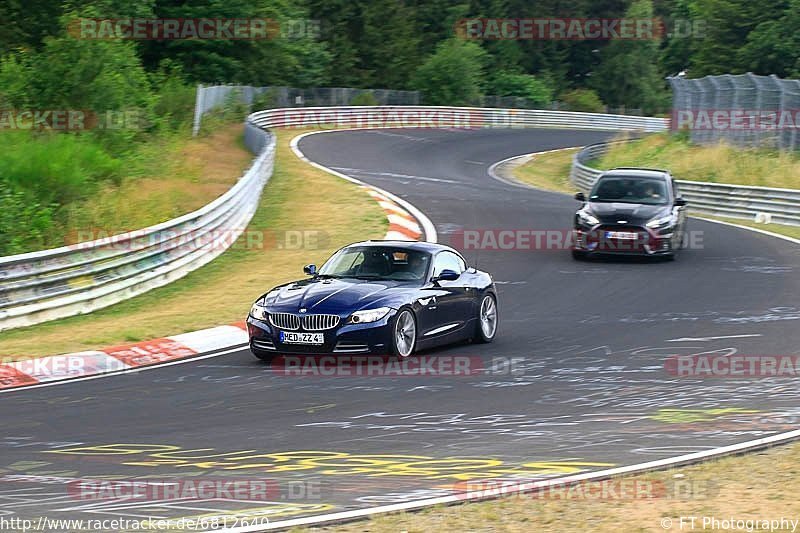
(364, 338)
(599, 239)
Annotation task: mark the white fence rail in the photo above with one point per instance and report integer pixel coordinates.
(762, 204)
(40, 286)
(214, 96)
(450, 117)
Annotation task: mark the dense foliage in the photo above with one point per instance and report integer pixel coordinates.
(397, 44)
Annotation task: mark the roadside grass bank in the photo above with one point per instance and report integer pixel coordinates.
(58, 188)
(758, 486)
(298, 198)
(550, 171)
(717, 163)
(173, 175)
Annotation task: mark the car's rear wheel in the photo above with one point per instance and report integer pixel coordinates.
(486, 326)
(404, 333)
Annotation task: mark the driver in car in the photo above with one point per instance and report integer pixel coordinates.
(418, 265)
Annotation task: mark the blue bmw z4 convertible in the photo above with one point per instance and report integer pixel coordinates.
(376, 297)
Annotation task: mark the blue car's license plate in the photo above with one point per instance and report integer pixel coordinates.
(293, 337)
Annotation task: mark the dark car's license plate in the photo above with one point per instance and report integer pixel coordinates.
(291, 337)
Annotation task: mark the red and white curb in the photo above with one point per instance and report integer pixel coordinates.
(70, 366)
(402, 226)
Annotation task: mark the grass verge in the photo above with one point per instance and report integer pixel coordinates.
(549, 171)
(718, 163)
(298, 197)
(756, 486)
(172, 175)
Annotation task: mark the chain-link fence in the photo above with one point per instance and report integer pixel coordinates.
(258, 98)
(745, 110)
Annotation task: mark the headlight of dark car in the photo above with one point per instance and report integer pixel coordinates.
(258, 312)
(369, 315)
(586, 219)
(661, 222)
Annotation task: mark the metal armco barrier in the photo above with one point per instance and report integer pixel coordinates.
(50, 284)
(449, 117)
(40, 286)
(762, 204)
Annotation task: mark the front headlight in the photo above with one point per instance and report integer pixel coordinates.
(660, 222)
(369, 315)
(258, 312)
(587, 219)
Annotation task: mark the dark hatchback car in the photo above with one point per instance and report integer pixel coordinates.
(632, 211)
(376, 297)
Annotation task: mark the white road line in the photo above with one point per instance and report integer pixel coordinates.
(377, 174)
(427, 225)
(703, 339)
(492, 170)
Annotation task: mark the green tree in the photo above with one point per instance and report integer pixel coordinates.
(453, 75)
(522, 85)
(727, 25)
(773, 47)
(292, 56)
(628, 74)
(583, 100)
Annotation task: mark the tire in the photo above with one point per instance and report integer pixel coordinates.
(579, 255)
(404, 333)
(486, 331)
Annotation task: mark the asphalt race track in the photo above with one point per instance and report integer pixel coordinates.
(588, 389)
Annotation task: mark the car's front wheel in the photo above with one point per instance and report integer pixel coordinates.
(264, 356)
(404, 333)
(486, 327)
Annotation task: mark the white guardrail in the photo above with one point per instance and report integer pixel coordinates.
(761, 204)
(50, 284)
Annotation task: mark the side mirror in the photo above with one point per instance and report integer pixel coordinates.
(447, 275)
(680, 202)
(311, 270)
(580, 196)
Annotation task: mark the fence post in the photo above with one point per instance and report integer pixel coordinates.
(198, 110)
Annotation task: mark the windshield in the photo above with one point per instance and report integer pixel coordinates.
(630, 190)
(377, 263)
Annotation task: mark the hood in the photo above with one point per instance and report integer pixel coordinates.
(334, 296)
(635, 214)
